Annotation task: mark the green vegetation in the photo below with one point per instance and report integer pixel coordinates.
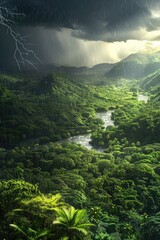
(151, 84)
(54, 190)
(24, 208)
(49, 109)
(135, 123)
(135, 66)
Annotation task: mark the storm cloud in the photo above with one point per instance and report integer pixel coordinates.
(84, 32)
(92, 19)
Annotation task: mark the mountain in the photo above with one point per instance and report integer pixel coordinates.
(97, 70)
(151, 81)
(135, 66)
(44, 69)
(151, 84)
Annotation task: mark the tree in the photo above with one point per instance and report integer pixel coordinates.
(42, 208)
(72, 223)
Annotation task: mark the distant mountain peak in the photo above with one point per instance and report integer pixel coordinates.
(135, 66)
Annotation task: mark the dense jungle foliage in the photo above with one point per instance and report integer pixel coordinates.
(55, 190)
(49, 109)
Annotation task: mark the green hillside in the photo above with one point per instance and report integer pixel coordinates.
(151, 83)
(47, 109)
(60, 190)
(53, 108)
(135, 66)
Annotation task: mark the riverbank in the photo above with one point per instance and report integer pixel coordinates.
(85, 139)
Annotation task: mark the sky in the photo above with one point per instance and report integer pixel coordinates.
(83, 32)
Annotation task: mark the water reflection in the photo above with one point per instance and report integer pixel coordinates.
(106, 118)
(85, 139)
(142, 97)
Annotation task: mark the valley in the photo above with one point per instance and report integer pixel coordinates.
(50, 129)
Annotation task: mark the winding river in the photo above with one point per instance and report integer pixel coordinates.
(85, 139)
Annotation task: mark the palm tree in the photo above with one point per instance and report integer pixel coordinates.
(72, 223)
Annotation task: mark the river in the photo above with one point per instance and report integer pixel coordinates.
(142, 97)
(85, 139)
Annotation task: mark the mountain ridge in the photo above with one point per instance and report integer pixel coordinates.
(135, 66)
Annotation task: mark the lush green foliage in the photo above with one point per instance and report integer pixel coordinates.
(49, 109)
(119, 187)
(134, 123)
(24, 208)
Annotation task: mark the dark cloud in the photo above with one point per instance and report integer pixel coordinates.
(92, 19)
(60, 29)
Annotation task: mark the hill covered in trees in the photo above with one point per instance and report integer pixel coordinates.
(51, 108)
(135, 66)
(46, 185)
